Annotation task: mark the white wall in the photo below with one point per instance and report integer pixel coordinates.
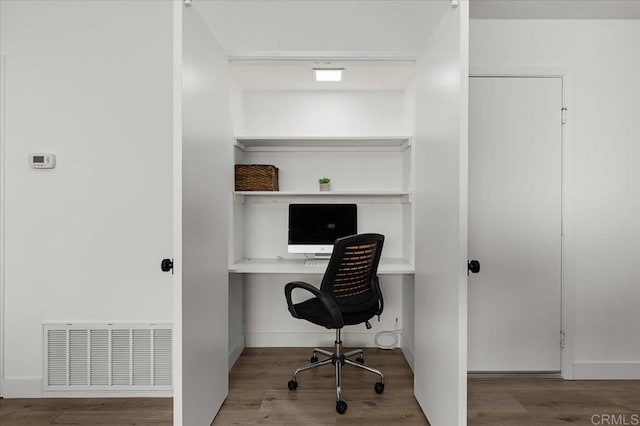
(348, 170)
(603, 58)
(90, 82)
(324, 113)
(267, 322)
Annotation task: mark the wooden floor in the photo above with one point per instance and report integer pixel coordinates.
(258, 391)
(86, 411)
(258, 394)
(551, 402)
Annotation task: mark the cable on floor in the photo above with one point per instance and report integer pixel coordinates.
(392, 338)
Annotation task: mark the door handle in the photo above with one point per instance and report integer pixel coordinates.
(473, 266)
(167, 265)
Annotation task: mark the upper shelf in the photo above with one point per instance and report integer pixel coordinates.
(338, 143)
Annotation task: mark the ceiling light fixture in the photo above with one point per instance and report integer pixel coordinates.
(328, 74)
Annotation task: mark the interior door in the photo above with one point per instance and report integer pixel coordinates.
(440, 214)
(202, 196)
(515, 146)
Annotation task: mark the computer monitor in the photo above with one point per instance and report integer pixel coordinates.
(314, 227)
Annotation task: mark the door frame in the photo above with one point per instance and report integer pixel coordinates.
(567, 285)
(176, 344)
(3, 253)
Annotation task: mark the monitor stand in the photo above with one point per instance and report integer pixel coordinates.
(316, 259)
(319, 256)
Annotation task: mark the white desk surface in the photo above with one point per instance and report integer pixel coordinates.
(297, 266)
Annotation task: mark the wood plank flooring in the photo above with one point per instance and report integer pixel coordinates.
(258, 391)
(258, 394)
(86, 411)
(536, 402)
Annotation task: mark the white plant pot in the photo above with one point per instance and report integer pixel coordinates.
(325, 187)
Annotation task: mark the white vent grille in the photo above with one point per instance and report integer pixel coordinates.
(120, 357)
(141, 357)
(57, 359)
(162, 357)
(99, 345)
(78, 357)
(117, 357)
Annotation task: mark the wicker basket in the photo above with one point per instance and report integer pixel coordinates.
(256, 177)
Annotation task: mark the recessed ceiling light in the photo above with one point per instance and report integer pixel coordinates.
(328, 74)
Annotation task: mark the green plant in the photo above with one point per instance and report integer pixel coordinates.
(324, 180)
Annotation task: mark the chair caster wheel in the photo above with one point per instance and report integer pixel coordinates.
(360, 360)
(293, 385)
(314, 359)
(341, 407)
(379, 387)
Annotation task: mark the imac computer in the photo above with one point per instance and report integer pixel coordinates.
(314, 227)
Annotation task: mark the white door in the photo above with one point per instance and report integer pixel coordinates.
(202, 196)
(440, 216)
(515, 147)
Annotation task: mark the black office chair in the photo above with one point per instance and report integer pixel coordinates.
(349, 294)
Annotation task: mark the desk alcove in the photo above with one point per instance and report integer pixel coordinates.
(392, 138)
(259, 317)
(374, 172)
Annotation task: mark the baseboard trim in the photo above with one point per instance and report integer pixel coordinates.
(108, 394)
(31, 387)
(407, 350)
(606, 370)
(236, 350)
(525, 375)
(308, 339)
(22, 387)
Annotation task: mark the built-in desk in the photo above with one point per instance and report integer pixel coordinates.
(258, 314)
(297, 266)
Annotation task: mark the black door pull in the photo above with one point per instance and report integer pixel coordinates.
(473, 266)
(166, 265)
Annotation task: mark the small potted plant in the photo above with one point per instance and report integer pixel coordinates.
(325, 184)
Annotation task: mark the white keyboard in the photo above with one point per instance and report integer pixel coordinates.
(316, 262)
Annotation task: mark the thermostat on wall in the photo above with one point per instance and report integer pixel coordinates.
(41, 160)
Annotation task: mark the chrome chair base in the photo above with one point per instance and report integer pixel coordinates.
(338, 359)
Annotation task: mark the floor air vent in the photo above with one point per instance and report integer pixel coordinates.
(117, 357)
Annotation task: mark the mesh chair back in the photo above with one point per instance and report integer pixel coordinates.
(351, 275)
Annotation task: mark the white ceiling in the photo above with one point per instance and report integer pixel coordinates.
(348, 29)
(368, 28)
(321, 28)
(555, 9)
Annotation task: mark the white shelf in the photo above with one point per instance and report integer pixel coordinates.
(297, 266)
(313, 143)
(360, 196)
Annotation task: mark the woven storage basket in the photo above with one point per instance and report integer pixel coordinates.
(256, 177)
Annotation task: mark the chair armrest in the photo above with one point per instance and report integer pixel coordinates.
(325, 298)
